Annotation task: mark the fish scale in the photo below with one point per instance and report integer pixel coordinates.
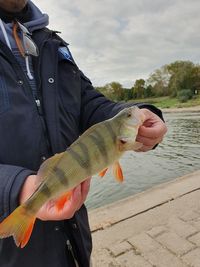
(93, 152)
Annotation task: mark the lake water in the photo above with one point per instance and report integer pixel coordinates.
(179, 154)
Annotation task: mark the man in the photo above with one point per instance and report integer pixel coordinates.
(46, 103)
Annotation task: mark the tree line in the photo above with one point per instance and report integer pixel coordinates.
(179, 79)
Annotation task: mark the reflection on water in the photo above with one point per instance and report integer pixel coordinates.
(178, 155)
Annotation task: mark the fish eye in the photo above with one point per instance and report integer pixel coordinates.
(129, 114)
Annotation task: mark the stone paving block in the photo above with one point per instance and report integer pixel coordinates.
(156, 231)
(163, 258)
(175, 243)
(195, 239)
(192, 258)
(102, 258)
(144, 243)
(153, 252)
(120, 248)
(189, 216)
(180, 227)
(130, 259)
(196, 224)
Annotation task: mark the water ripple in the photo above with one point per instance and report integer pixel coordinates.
(178, 155)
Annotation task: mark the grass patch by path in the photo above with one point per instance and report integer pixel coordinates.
(168, 102)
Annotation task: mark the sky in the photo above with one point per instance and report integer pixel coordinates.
(125, 40)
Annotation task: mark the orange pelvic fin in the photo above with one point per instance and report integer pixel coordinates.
(60, 202)
(18, 224)
(117, 171)
(103, 172)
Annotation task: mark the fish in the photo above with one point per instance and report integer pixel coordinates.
(97, 149)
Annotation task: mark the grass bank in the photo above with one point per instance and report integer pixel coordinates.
(168, 102)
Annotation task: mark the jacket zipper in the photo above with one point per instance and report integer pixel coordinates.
(36, 100)
(69, 246)
(38, 104)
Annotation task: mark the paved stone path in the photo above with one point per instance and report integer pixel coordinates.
(159, 227)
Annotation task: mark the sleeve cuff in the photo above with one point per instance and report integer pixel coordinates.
(13, 189)
(152, 108)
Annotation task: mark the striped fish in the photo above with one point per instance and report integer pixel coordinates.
(93, 152)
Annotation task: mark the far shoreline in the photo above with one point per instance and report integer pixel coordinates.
(185, 109)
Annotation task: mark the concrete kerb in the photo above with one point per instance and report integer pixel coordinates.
(159, 227)
(109, 215)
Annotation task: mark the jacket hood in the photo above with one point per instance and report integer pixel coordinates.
(34, 18)
(37, 20)
(30, 16)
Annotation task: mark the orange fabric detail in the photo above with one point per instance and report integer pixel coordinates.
(18, 40)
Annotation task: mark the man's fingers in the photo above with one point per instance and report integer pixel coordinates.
(148, 141)
(153, 132)
(49, 210)
(73, 204)
(85, 187)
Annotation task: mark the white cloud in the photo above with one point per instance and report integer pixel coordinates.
(125, 40)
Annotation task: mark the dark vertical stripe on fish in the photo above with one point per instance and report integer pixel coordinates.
(99, 141)
(62, 178)
(31, 204)
(45, 190)
(83, 159)
(111, 131)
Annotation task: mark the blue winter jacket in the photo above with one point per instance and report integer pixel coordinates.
(30, 133)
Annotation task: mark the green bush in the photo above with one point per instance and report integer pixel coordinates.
(184, 95)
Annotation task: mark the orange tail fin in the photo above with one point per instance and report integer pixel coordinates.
(18, 224)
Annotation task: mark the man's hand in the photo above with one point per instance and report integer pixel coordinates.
(48, 211)
(151, 132)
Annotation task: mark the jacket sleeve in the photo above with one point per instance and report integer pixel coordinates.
(95, 107)
(11, 181)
